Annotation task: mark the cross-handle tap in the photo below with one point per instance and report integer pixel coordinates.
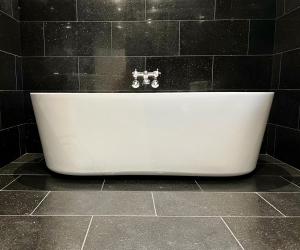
(154, 84)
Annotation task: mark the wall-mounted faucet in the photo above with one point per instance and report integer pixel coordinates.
(145, 75)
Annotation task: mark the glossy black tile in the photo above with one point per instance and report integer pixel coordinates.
(30, 139)
(285, 108)
(255, 183)
(183, 73)
(97, 203)
(45, 233)
(127, 183)
(19, 203)
(261, 40)
(98, 10)
(9, 145)
(180, 10)
(266, 233)
(10, 35)
(19, 73)
(276, 169)
(213, 37)
(288, 204)
(290, 70)
(287, 146)
(16, 9)
(271, 136)
(5, 6)
(108, 73)
(211, 204)
(50, 73)
(94, 39)
(276, 68)
(291, 5)
(32, 38)
(287, 32)
(242, 72)
(6, 179)
(159, 233)
(7, 72)
(246, 9)
(81, 38)
(11, 108)
(152, 38)
(279, 7)
(51, 10)
(30, 158)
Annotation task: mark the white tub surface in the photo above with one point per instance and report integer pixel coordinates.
(205, 134)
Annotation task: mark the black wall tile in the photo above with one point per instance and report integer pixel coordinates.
(99, 10)
(19, 73)
(7, 72)
(271, 135)
(287, 146)
(213, 37)
(276, 67)
(287, 32)
(183, 73)
(291, 4)
(29, 139)
(180, 10)
(50, 10)
(261, 39)
(28, 109)
(285, 109)
(50, 73)
(245, 9)
(9, 145)
(151, 38)
(5, 6)
(290, 70)
(108, 73)
(9, 35)
(81, 38)
(242, 72)
(16, 9)
(32, 39)
(279, 7)
(11, 108)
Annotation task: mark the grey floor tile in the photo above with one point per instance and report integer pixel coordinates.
(266, 233)
(211, 204)
(287, 203)
(153, 183)
(25, 168)
(47, 233)
(247, 184)
(30, 157)
(19, 203)
(276, 169)
(127, 233)
(55, 183)
(97, 203)
(6, 179)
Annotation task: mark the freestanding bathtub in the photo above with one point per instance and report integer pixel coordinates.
(204, 134)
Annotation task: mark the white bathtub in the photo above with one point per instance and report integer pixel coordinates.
(205, 134)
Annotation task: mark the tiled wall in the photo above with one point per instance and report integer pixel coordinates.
(94, 45)
(11, 96)
(284, 132)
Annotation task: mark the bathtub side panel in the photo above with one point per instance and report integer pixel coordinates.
(209, 134)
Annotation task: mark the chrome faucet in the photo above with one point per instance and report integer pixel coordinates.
(146, 81)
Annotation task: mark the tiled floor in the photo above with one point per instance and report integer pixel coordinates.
(43, 210)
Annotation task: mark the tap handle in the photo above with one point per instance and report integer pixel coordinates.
(135, 84)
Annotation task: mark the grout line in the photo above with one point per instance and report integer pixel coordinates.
(215, 9)
(76, 6)
(40, 203)
(232, 233)
(290, 182)
(102, 185)
(287, 13)
(249, 27)
(87, 232)
(78, 74)
(44, 40)
(286, 51)
(153, 204)
(1, 11)
(8, 53)
(10, 183)
(279, 73)
(285, 127)
(11, 8)
(145, 216)
(212, 72)
(145, 9)
(198, 185)
(179, 40)
(271, 204)
(111, 39)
